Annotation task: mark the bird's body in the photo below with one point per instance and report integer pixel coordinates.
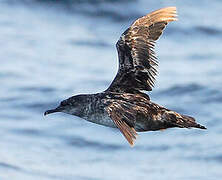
(123, 105)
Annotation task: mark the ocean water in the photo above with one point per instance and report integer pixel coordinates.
(51, 50)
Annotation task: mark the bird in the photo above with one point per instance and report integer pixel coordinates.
(124, 104)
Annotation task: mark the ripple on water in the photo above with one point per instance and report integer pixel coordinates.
(80, 142)
(37, 89)
(97, 44)
(9, 166)
(209, 30)
(203, 94)
(182, 89)
(207, 158)
(28, 132)
(111, 9)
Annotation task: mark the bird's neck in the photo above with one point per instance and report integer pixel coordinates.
(91, 107)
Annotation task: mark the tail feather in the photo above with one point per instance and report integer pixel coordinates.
(183, 121)
(190, 122)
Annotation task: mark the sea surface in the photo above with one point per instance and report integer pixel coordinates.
(51, 50)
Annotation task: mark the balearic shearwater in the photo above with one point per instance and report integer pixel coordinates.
(123, 105)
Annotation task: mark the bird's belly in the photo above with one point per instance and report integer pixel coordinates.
(106, 122)
(102, 120)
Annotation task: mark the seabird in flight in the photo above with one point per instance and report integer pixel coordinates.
(123, 105)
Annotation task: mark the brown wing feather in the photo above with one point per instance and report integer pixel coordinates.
(137, 60)
(118, 114)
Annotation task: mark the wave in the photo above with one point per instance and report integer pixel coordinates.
(112, 9)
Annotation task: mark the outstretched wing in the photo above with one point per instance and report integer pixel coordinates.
(137, 60)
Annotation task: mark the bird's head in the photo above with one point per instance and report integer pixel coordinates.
(74, 105)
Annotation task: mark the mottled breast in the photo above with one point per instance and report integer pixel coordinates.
(101, 119)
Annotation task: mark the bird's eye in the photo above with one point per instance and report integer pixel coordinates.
(63, 103)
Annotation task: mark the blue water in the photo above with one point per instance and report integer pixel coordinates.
(51, 50)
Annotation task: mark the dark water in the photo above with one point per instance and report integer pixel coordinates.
(51, 50)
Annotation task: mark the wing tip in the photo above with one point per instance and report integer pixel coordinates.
(167, 14)
(168, 8)
(132, 137)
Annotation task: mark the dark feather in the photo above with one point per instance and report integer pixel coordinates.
(136, 111)
(137, 60)
(123, 120)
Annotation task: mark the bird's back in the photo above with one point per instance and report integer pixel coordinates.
(137, 111)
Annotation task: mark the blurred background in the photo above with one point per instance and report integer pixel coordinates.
(51, 50)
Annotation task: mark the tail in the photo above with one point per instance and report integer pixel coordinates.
(183, 121)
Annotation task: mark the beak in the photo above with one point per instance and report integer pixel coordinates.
(58, 109)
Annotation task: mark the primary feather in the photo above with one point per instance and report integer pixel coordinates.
(137, 60)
